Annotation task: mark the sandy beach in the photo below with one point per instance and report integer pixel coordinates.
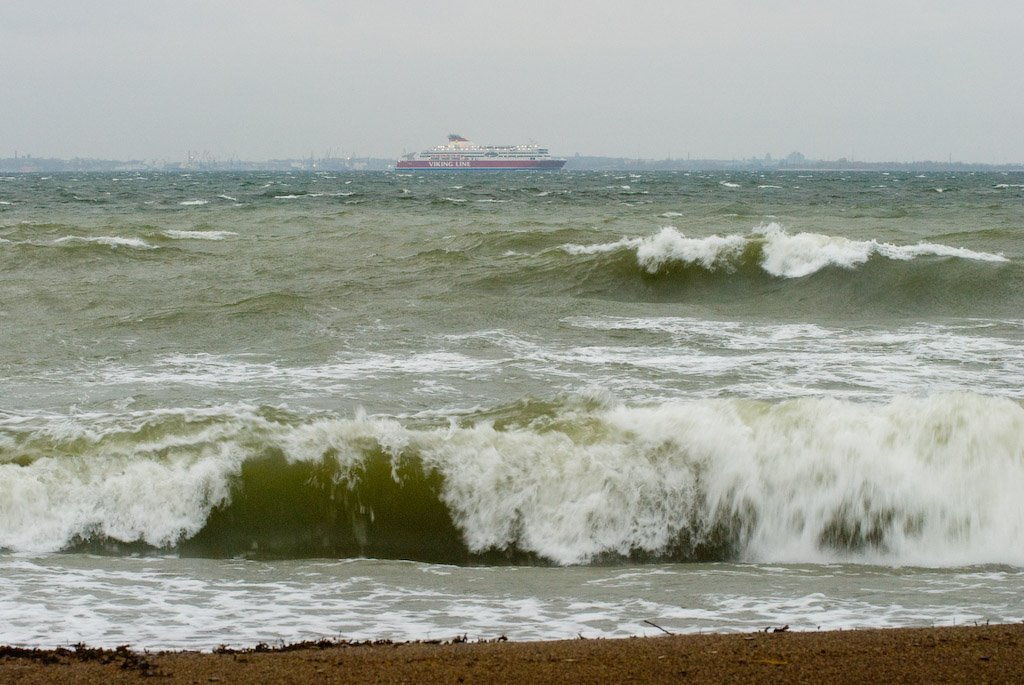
(990, 654)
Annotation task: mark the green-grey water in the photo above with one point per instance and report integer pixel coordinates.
(240, 380)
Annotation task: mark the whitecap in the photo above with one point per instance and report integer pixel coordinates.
(198, 235)
(782, 254)
(194, 203)
(575, 249)
(936, 250)
(112, 241)
(801, 467)
(797, 475)
(670, 245)
(802, 254)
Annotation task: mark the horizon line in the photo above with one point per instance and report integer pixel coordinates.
(794, 161)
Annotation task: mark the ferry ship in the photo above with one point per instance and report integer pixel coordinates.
(461, 155)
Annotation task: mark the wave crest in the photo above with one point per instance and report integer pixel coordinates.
(777, 252)
(109, 241)
(932, 481)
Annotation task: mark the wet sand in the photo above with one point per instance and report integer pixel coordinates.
(975, 654)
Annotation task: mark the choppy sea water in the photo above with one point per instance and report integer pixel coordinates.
(254, 407)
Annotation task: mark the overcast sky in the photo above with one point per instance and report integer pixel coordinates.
(892, 80)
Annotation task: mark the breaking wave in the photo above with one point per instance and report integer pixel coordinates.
(801, 274)
(776, 251)
(925, 481)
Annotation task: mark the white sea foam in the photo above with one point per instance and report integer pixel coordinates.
(112, 241)
(126, 491)
(769, 361)
(602, 247)
(802, 469)
(194, 203)
(671, 246)
(167, 603)
(198, 235)
(794, 256)
(728, 184)
(652, 359)
(935, 250)
(206, 370)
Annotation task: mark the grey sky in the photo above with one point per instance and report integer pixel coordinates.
(256, 79)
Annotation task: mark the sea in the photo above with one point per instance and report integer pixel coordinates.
(270, 407)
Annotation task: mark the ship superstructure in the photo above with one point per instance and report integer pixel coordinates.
(460, 154)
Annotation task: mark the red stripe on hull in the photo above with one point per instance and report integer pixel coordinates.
(480, 164)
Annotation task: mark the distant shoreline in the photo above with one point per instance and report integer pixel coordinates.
(909, 655)
(28, 164)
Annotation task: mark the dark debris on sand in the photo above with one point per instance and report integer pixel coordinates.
(122, 655)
